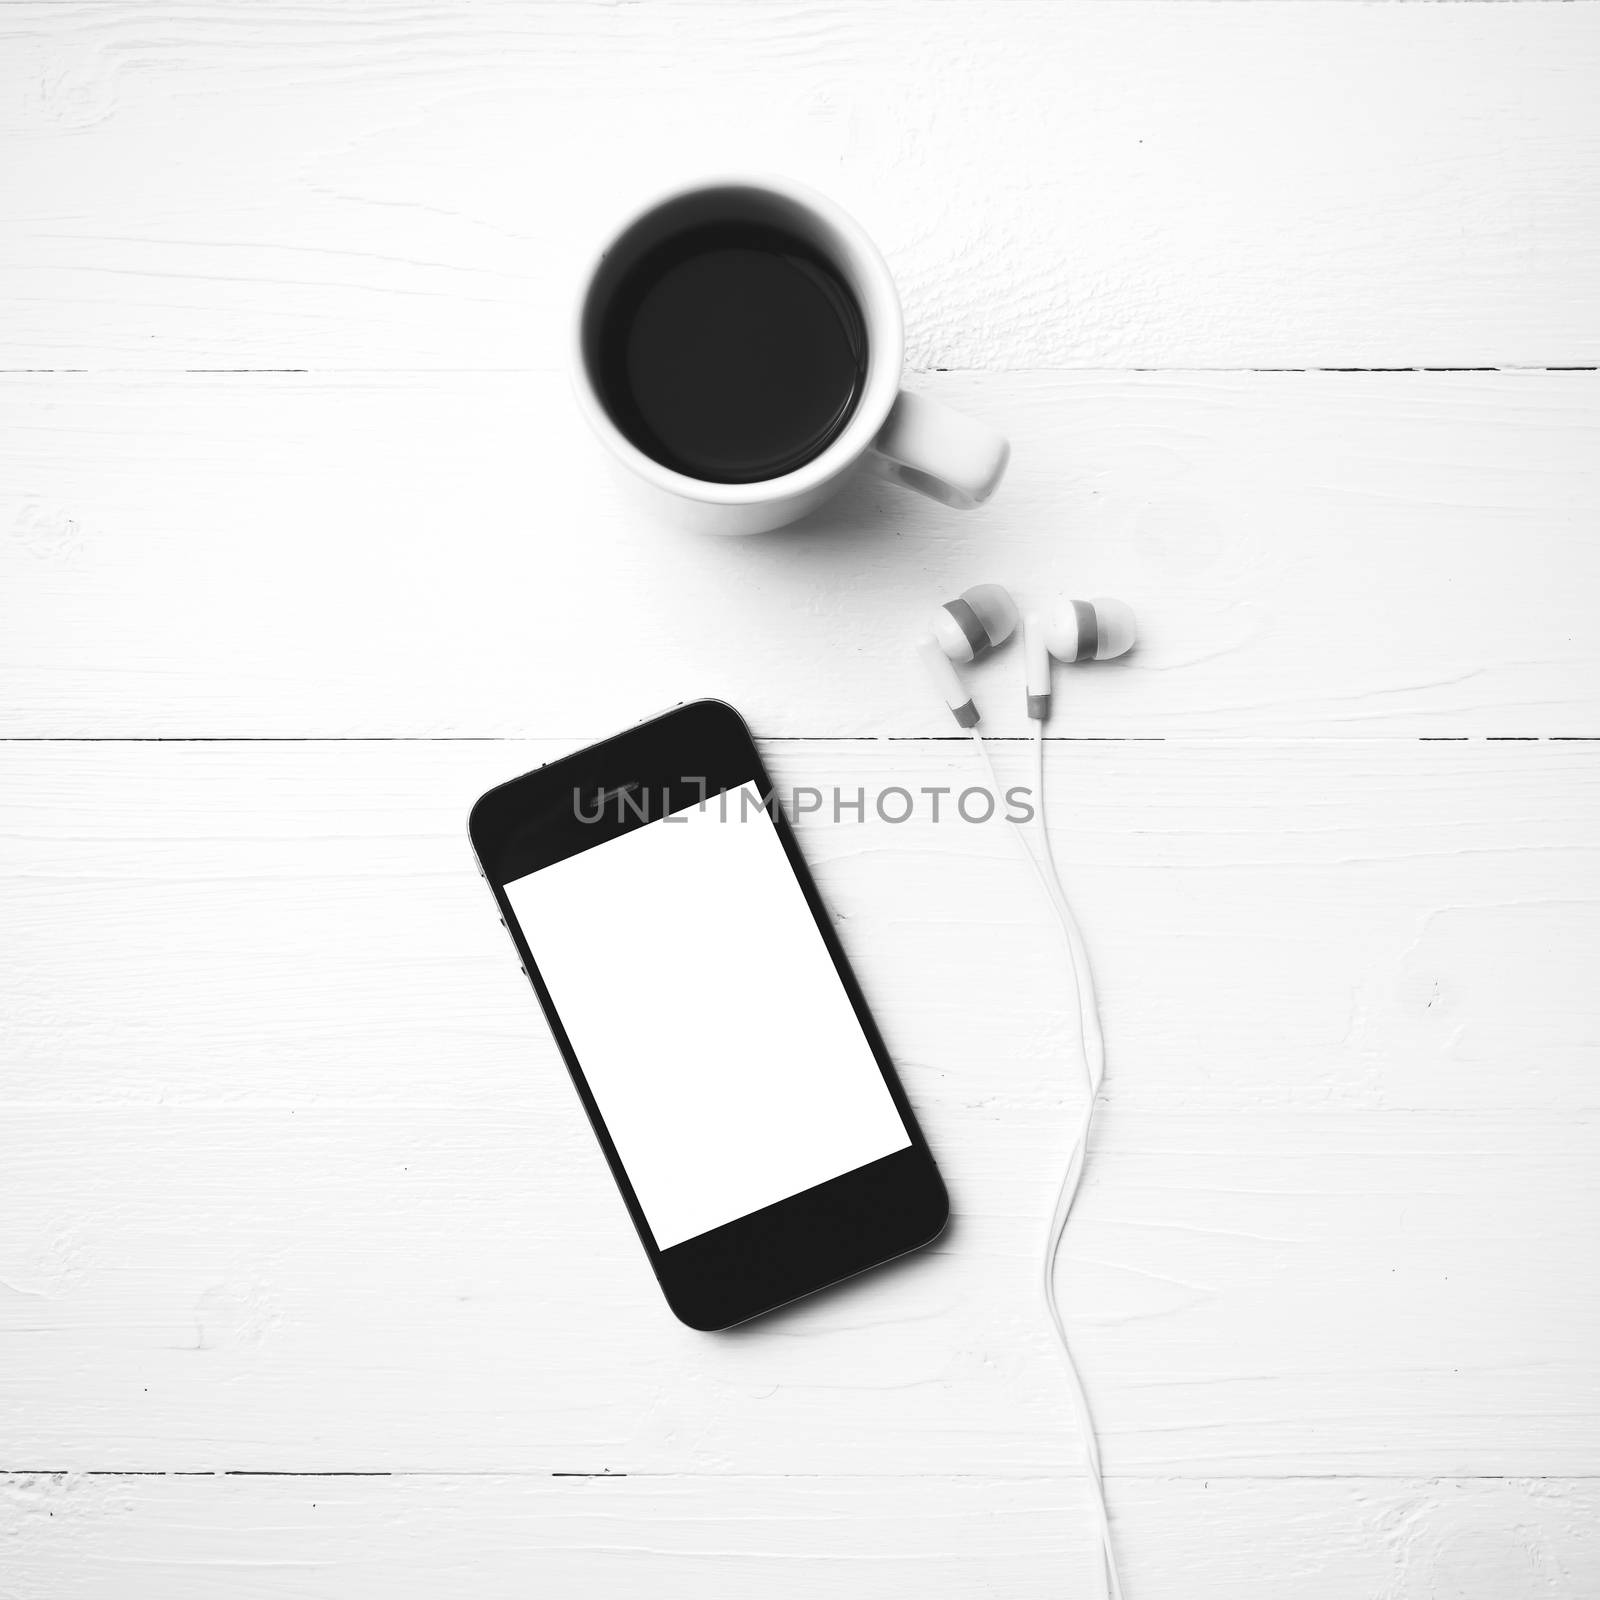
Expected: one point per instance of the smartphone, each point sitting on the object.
(715, 1033)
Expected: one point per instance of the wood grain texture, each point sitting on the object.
(380, 186)
(298, 1182)
(453, 1290)
(77, 1538)
(291, 1179)
(1339, 554)
(1375, 926)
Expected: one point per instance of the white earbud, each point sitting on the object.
(1079, 630)
(963, 629)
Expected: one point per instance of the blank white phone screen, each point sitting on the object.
(707, 1015)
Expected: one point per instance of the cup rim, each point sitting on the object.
(885, 339)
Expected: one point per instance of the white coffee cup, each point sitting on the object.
(905, 437)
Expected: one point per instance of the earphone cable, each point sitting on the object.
(1091, 1040)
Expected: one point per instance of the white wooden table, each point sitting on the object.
(312, 1282)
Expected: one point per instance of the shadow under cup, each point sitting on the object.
(727, 334)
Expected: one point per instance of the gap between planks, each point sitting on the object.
(480, 371)
(796, 738)
(511, 1474)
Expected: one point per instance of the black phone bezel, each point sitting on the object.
(812, 1239)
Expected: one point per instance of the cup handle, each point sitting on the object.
(939, 453)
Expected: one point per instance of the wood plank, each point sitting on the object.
(444, 1289)
(295, 1182)
(76, 1538)
(1335, 554)
(1371, 927)
(333, 186)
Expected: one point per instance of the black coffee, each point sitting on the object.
(732, 352)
